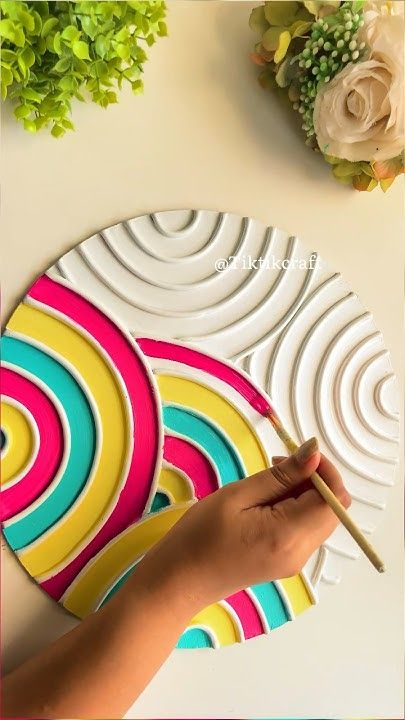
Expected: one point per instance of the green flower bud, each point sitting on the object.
(355, 55)
(349, 25)
(340, 43)
(352, 45)
(308, 63)
(345, 57)
(315, 71)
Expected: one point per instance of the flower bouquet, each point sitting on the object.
(342, 66)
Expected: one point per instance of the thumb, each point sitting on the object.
(269, 486)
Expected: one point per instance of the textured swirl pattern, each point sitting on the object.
(91, 486)
(108, 434)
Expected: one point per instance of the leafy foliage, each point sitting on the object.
(55, 51)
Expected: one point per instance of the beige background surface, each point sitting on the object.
(205, 135)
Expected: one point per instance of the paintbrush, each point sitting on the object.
(325, 491)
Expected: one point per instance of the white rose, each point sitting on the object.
(382, 7)
(359, 115)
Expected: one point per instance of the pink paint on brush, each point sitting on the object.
(127, 362)
(247, 613)
(189, 356)
(37, 478)
(183, 455)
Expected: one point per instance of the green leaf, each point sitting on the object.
(280, 12)
(22, 66)
(8, 56)
(162, 29)
(56, 43)
(345, 168)
(386, 184)
(122, 51)
(62, 65)
(58, 131)
(89, 27)
(28, 56)
(137, 87)
(285, 72)
(22, 111)
(52, 50)
(299, 28)
(68, 83)
(271, 38)
(30, 126)
(31, 94)
(101, 46)
(6, 76)
(7, 29)
(19, 37)
(26, 20)
(257, 20)
(122, 35)
(48, 26)
(70, 33)
(81, 49)
(68, 124)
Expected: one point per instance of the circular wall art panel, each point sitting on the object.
(131, 376)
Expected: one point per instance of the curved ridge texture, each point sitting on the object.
(110, 432)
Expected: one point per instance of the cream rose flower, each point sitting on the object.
(359, 115)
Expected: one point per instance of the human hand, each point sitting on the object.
(262, 528)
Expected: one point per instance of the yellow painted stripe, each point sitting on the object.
(175, 486)
(220, 622)
(91, 586)
(98, 377)
(297, 592)
(20, 442)
(191, 394)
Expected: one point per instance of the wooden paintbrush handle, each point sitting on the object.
(333, 503)
(347, 521)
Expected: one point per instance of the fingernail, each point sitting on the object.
(277, 459)
(306, 450)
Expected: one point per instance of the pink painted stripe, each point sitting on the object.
(196, 359)
(144, 406)
(247, 613)
(193, 463)
(50, 451)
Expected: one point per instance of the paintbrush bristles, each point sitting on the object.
(330, 498)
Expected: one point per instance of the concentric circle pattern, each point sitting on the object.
(118, 413)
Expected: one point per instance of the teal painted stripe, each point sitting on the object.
(194, 638)
(119, 583)
(271, 603)
(196, 427)
(82, 438)
(159, 502)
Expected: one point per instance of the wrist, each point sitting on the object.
(166, 587)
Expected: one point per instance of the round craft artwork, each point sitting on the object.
(132, 373)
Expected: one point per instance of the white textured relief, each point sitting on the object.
(292, 323)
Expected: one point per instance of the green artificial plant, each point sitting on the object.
(53, 52)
